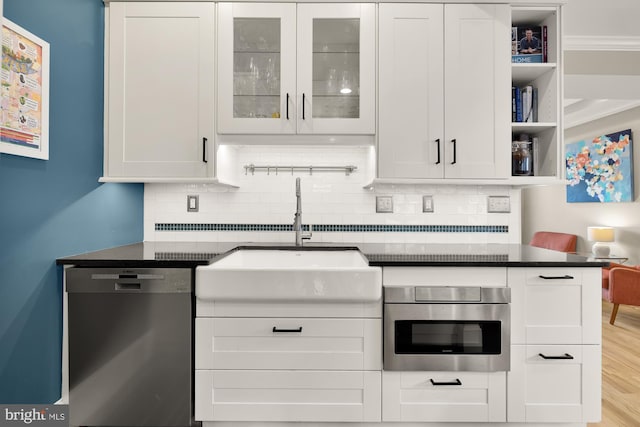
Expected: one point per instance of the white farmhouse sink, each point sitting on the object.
(311, 274)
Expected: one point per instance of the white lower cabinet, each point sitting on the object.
(300, 396)
(288, 343)
(554, 383)
(558, 305)
(444, 396)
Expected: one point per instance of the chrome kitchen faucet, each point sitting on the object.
(297, 218)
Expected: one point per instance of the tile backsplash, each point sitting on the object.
(338, 207)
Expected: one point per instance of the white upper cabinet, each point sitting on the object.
(159, 113)
(286, 68)
(444, 91)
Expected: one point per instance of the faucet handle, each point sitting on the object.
(306, 235)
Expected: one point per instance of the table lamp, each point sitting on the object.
(600, 235)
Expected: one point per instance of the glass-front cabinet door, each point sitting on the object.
(286, 68)
(256, 68)
(336, 68)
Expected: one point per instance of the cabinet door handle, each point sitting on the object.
(287, 105)
(456, 382)
(204, 150)
(565, 277)
(438, 145)
(276, 329)
(454, 152)
(564, 356)
(303, 98)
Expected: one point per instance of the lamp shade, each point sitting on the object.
(600, 234)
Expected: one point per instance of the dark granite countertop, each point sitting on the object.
(192, 254)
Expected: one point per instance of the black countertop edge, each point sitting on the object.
(194, 254)
(486, 264)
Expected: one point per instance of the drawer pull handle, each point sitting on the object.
(454, 151)
(565, 356)
(456, 382)
(438, 145)
(303, 99)
(287, 105)
(276, 329)
(204, 150)
(565, 277)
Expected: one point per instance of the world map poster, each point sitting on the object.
(24, 80)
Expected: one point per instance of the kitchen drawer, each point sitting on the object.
(563, 386)
(469, 396)
(302, 396)
(555, 305)
(288, 343)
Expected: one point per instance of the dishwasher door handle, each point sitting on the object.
(128, 286)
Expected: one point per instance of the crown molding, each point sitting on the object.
(608, 43)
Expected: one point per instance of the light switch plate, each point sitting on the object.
(384, 204)
(427, 203)
(499, 204)
(192, 203)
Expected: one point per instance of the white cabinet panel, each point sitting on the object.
(288, 343)
(411, 91)
(444, 98)
(296, 396)
(297, 61)
(554, 383)
(477, 110)
(467, 396)
(555, 305)
(160, 91)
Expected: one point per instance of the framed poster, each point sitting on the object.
(600, 170)
(24, 102)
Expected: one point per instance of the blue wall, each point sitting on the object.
(50, 209)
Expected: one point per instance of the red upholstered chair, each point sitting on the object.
(556, 241)
(620, 285)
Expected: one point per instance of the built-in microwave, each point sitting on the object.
(436, 328)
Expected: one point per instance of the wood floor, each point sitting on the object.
(620, 367)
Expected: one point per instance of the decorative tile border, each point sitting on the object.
(339, 228)
(437, 257)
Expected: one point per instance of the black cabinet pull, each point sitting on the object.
(204, 150)
(456, 382)
(565, 356)
(454, 152)
(565, 277)
(276, 329)
(287, 105)
(303, 97)
(438, 145)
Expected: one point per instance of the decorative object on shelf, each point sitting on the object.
(600, 170)
(24, 130)
(522, 156)
(348, 170)
(600, 235)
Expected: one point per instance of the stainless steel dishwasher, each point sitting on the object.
(130, 346)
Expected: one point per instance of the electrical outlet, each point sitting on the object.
(499, 204)
(384, 204)
(427, 203)
(192, 203)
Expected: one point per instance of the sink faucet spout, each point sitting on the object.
(297, 218)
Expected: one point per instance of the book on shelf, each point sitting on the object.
(529, 44)
(518, 102)
(524, 104)
(535, 154)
